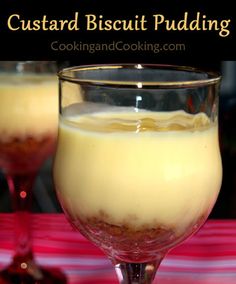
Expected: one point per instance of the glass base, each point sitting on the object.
(29, 273)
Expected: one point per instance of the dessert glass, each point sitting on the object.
(28, 128)
(137, 168)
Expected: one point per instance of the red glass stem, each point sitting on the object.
(20, 187)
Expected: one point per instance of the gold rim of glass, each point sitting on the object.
(67, 74)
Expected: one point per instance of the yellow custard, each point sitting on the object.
(28, 106)
(138, 168)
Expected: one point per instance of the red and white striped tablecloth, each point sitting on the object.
(209, 257)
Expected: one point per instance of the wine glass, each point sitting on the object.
(28, 128)
(137, 168)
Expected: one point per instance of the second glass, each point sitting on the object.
(28, 127)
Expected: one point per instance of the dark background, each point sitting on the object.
(205, 50)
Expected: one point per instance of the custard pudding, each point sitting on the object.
(28, 119)
(122, 170)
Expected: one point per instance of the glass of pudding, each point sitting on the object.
(28, 128)
(137, 168)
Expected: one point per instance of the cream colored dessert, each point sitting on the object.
(138, 169)
(28, 106)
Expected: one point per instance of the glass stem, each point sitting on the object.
(137, 273)
(20, 187)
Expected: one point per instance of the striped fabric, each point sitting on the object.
(209, 257)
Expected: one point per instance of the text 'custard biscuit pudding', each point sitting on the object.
(28, 119)
(137, 180)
